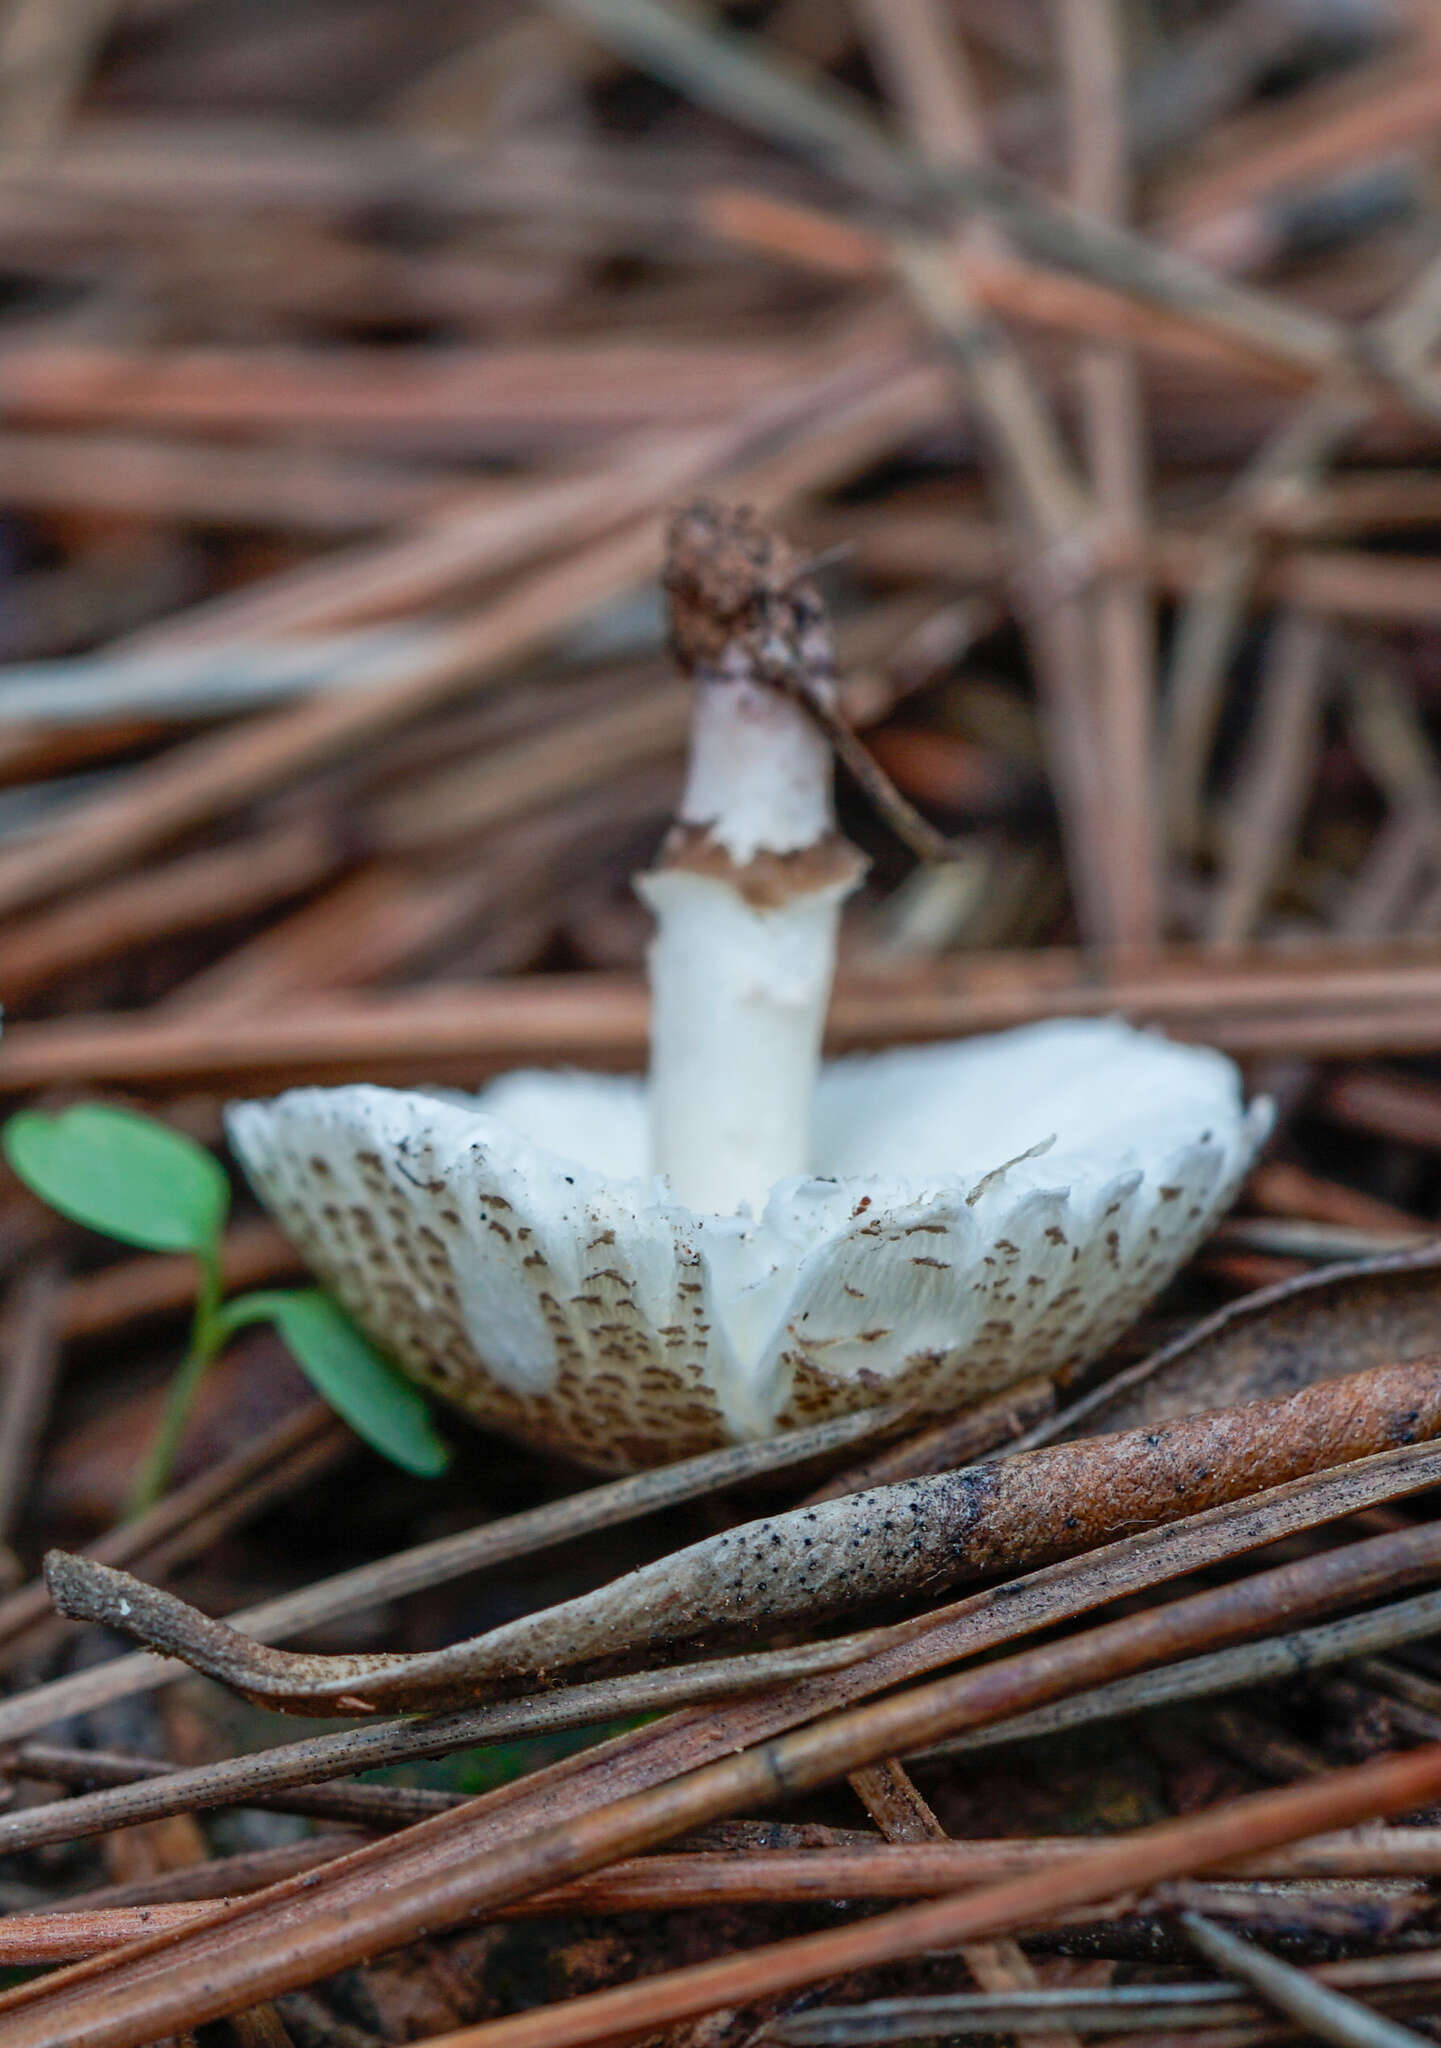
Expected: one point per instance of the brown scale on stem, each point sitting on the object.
(912, 1540)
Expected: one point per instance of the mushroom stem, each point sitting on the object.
(748, 890)
(738, 1006)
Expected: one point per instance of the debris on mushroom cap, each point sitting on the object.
(732, 584)
(746, 624)
(513, 1254)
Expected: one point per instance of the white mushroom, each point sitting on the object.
(631, 1270)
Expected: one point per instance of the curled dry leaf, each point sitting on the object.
(916, 1538)
(1377, 1311)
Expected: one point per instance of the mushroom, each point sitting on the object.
(634, 1269)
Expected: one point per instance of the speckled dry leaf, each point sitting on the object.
(911, 1540)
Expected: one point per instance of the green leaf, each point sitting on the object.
(481, 1770)
(123, 1174)
(359, 1382)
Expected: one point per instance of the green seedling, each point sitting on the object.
(134, 1179)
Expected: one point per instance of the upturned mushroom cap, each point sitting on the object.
(978, 1212)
